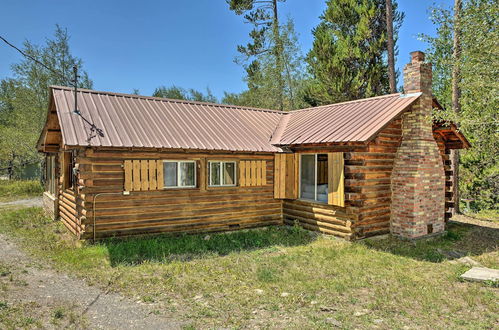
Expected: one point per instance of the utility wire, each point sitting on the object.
(93, 127)
(38, 62)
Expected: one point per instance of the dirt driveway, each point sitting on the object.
(53, 300)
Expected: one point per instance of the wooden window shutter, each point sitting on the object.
(252, 173)
(285, 176)
(336, 178)
(143, 175)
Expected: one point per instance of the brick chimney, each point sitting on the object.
(418, 179)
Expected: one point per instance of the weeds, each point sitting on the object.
(19, 189)
(239, 279)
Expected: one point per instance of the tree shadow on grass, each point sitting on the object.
(168, 247)
(462, 239)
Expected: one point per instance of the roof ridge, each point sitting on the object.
(167, 99)
(346, 102)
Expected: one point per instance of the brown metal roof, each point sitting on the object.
(139, 121)
(353, 121)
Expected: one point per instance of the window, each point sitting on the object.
(179, 174)
(222, 173)
(314, 177)
(70, 177)
(50, 179)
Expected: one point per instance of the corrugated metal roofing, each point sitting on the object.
(139, 121)
(353, 121)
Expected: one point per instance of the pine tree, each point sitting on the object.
(391, 47)
(179, 93)
(479, 100)
(347, 60)
(456, 95)
(271, 58)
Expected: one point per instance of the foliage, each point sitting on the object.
(348, 57)
(270, 278)
(179, 93)
(478, 118)
(24, 98)
(272, 59)
(10, 189)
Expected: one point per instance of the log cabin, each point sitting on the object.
(120, 165)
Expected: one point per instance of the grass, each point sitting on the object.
(10, 190)
(486, 215)
(280, 276)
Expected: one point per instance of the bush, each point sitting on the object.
(9, 188)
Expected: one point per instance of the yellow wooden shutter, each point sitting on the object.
(252, 173)
(143, 175)
(159, 174)
(153, 185)
(336, 178)
(285, 177)
(128, 175)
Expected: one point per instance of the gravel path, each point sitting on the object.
(29, 202)
(39, 285)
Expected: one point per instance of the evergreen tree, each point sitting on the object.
(179, 93)
(272, 59)
(348, 57)
(479, 100)
(390, 47)
(262, 79)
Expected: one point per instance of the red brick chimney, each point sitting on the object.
(418, 179)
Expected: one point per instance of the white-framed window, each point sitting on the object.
(314, 177)
(179, 173)
(221, 173)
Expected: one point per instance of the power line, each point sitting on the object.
(37, 61)
(93, 127)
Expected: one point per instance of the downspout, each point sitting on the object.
(125, 193)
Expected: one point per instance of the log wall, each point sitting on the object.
(449, 182)
(369, 182)
(368, 171)
(198, 209)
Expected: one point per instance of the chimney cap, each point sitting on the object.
(417, 56)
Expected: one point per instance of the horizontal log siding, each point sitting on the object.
(449, 183)
(70, 211)
(368, 183)
(325, 218)
(172, 210)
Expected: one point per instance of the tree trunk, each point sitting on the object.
(391, 46)
(278, 51)
(456, 96)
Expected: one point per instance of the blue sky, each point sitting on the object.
(143, 44)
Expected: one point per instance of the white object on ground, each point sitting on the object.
(481, 274)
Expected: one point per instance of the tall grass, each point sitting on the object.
(26, 188)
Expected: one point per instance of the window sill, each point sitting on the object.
(179, 188)
(313, 201)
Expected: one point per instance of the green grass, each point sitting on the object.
(487, 215)
(10, 190)
(280, 277)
